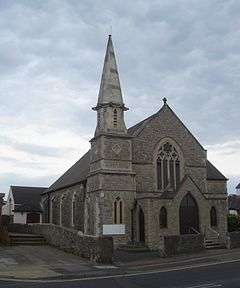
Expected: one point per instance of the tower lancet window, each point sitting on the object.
(98, 118)
(168, 167)
(118, 211)
(115, 117)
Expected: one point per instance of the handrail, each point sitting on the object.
(214, 231)
(194, 230)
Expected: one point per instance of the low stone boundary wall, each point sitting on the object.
(234, 240)
(97, 249)
(180, 244)
(4, 239)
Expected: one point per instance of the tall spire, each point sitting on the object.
(110, 89)
(110, 107)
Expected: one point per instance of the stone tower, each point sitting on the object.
(111, 182)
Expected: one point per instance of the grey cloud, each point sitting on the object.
(34, 149)
(52, 54)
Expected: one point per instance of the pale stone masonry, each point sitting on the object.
(130, 175)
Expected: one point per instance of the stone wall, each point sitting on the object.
(234, 240)
(181, 244)
(4, 238)
(97, 249)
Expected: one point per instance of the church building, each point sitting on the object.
(140, 183)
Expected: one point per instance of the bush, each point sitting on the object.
(233, 223)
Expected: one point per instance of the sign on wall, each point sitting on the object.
(113, 229)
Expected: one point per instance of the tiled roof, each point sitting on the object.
(234, 202)
(27, 199)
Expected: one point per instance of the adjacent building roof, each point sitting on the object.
(27, 199)
(234, 202)
(213, 173)
(238, 186)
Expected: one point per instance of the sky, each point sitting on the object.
(51, 57)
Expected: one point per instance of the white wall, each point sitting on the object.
(9, 206)
(20, 217)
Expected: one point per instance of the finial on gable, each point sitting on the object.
(164, 100)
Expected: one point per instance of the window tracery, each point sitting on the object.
(168, 167)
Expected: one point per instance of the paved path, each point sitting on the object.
(39, 262)
(50, 264)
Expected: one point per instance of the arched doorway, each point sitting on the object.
(188, 215)
(141, 222)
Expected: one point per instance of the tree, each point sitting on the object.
(233, 223)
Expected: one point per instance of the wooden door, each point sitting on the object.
(33, 217)
(188, 215)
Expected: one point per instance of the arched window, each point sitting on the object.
(51, 210)
(73, 209)
(163, 218)
(115, 117)
(168, 167)
(60, 210)
(213, 217)
(118, 211)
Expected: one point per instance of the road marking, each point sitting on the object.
(105, 267)
(122, 275)
(209, 285)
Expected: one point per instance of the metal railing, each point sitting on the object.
(193, 230)
(212, 231)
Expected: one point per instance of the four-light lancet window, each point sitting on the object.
(168, 167)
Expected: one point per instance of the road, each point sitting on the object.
(210, 276)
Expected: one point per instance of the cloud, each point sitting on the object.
(226, 157)
(51, 59)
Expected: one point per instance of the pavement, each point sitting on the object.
(46, 263)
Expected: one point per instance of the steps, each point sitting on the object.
(213, 242)
(26, 239)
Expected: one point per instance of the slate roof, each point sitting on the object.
(213, 173)
(76, 174)
(27, 199)
(234, 202)
(238, 186)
